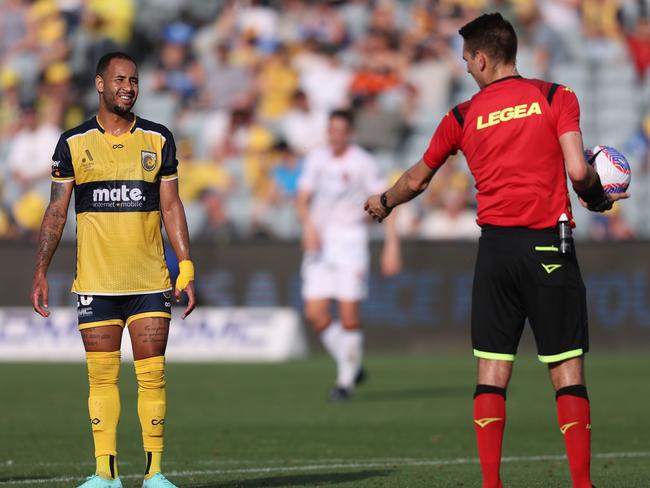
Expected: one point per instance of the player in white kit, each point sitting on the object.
(334, 184)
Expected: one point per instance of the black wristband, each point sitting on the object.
(595, 196)
(384, 202)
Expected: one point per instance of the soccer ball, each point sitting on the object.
(612, 167)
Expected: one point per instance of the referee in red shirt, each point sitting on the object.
(518, 136)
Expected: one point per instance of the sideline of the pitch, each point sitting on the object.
(324, 466)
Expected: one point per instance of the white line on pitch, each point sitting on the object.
(386, 463)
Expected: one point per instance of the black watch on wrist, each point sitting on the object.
(384, 202)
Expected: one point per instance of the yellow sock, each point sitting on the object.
(153, 461)
(104, 408)
(106, 467)
(152, 405)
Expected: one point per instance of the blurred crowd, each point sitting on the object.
(246, 87)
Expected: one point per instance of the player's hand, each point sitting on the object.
(40, 293)
(310, 238)
(185, 283)
(375, 209)
(191, 298)
(612, 197)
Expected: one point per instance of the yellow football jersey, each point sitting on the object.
(117, 201)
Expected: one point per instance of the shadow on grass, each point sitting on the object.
(413, 394)
(314, 479)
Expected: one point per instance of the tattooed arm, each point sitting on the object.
(51, 230)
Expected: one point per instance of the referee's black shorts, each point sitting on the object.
(520, 274)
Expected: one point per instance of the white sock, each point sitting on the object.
(351, 357)
(331, 339)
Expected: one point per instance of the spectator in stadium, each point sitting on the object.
(235, 132)
(49, 28)
(110, 20)
(203, 184)
(57, 97)
(29, 152)
(335, 182)
(9, 104)
(16, 36)
(121, 277)
(276, 83)
(303, 127)
(431, 61)
(278, 209)
(8, 229)
(638, 43)
(285, 173)
(522, 266)
(178, 70)
(452, 219)
(225, 82)
(323, 24)
(257, 19)
(381, 68)
(325, 80)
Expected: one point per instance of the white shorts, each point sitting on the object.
(339, 271)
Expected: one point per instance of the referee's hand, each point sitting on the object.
(613, 197)
(375, 209)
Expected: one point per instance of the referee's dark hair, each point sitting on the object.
(493, 35)
(106, 59)
(346, 115)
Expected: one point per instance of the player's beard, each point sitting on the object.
(121, 110)
(118, 108)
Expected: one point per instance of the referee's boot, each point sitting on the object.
(96, 481)
(158, 481)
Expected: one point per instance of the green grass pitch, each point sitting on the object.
(266, 425)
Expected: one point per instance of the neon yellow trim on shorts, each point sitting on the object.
(546, 248)
(494, 355)
(562, 356)
(144, 315)
(101, 323)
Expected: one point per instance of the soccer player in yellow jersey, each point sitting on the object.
(123, 172)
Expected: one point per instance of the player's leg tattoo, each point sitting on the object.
(106, 338)
(149, 337)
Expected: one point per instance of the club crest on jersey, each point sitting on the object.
(507, 114)
(149, 160)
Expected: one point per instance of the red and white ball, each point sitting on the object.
(612, 167)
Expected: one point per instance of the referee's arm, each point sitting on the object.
(583, 176)
(412, 182)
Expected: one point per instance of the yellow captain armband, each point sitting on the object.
(185, 275)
